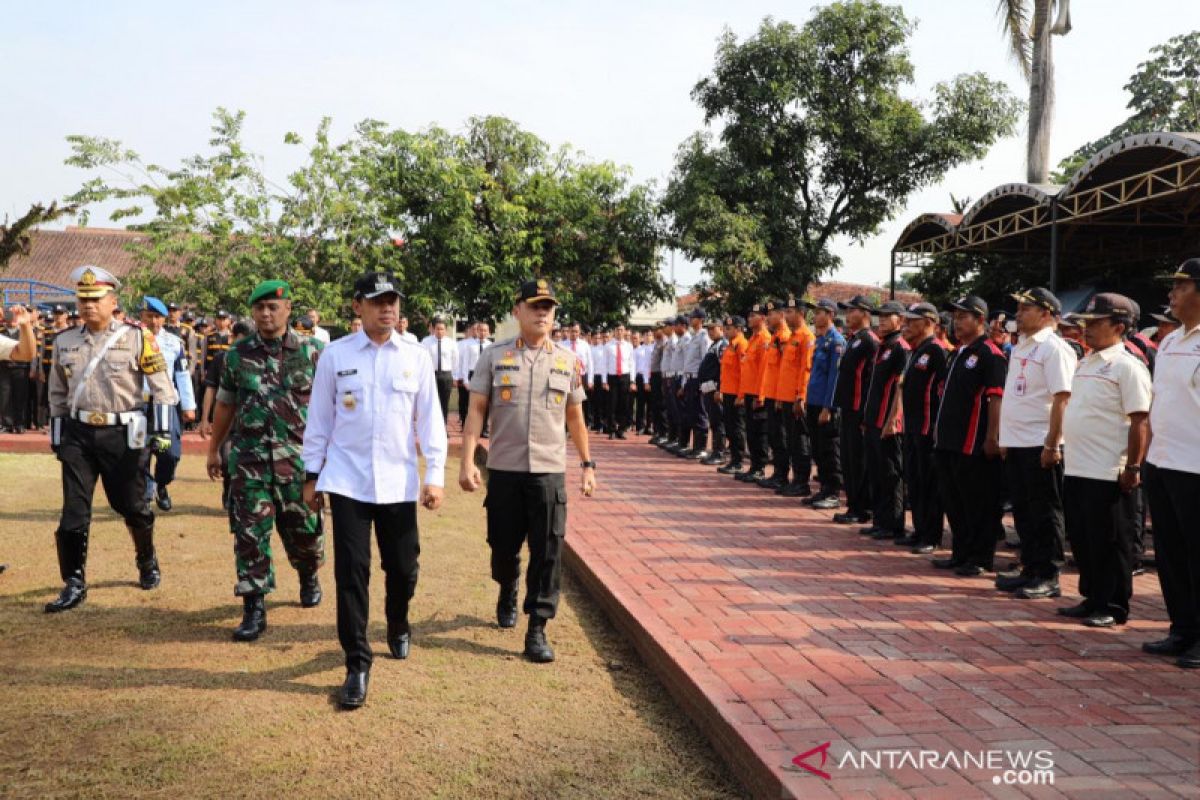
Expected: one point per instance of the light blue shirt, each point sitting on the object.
(175, 355)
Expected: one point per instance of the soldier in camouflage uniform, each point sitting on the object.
(262, 398)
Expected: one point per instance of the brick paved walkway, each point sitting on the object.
(778, 631)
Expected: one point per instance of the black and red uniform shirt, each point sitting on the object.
(976, 373)
(854, 371)
(923, 383)
(890, 361)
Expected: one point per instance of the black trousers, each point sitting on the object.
(14, 395)
(640, 396)
(671, 403)
(88, 454)
(43, 400)
(445, 385)
(716, 421)
(528, 506)
(694, 417)
(885, 473)
(756, 433)
(854, 463)
(970, 490)
(799, 447)
(1175, 508)
(1037, 500)
(777, 412)
(734, 419)
(600, 401)
(399, 551)
(619, 401)
(464, 403)
(826, 448)
(1101, 544)
(658, 405)
(920, 477)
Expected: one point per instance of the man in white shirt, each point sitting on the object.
(1105, 431)
(642, 348)
(1036, 392)
(578, 345)
(618, 382)
(443, 352)
(317, 331)
(1173, 470)
(469, 350)
(360, 449)
(22, 348)
(402, 330)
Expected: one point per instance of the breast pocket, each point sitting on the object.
(557, 391)
(404, 389)
(350, 395)
(505, 387)
(117, 360)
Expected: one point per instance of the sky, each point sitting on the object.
(612, 79)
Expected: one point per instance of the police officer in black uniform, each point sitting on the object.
(850, 397)
(881, 434)
(921, 394)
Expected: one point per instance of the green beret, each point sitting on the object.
(271, 289)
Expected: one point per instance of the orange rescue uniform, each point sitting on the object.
(796, 364)
(768, 387)
(752, 363)
(731, 365)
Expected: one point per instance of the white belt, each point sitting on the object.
(690, 374)
(99, 418)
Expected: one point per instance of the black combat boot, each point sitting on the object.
(506, 606)
(147, 562)
(310, 589)
(537, 649)
(399, 637)
(254, 618)
(72, 556)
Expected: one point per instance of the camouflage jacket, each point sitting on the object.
(269, 384)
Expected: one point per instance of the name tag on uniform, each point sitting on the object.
(344, 372)
(506, 368)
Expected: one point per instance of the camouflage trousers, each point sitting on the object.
(258, 503)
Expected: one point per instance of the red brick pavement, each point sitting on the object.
(778, 631)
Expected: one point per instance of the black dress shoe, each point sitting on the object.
(72, 594)
(1077, 611)
(773, 482)
(731, 468)
(354, 689)
(655, 440)
(149, 576)
(1047, 587)
(906, 541)
(827, 503)
(797, 489)
(702, 456)
(968, 570)
(620, 434)
(922, 549)
(537, 649)
(254, 618)
(399, 639)
(1190, 659)
(162, 499)
(506, 606)
(753, 476)
(1100, 620)
(310, 590)
(1171, 646)
(851, 518)
(713, 460)
(946, 563)
(883, 533)
(1011, 580)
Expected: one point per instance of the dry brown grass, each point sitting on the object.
(144, 694)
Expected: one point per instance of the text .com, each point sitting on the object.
(1011, 767)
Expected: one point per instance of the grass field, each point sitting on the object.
(143, 694)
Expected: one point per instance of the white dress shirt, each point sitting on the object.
(449, 353)
(359, 435)
(1110, 385)
(583, 353)
(610, 358)
(468, 352)
(320, 333)
(1039, 367)
(641, 360)
(7, 345)
(1176, 408)
(409, 337)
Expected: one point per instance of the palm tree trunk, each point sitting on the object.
(1041, 93)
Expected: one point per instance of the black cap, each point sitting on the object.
(890, 307)
(829, 305)
(537, 290)
(776, 304)
(794, 302)
(757, 308)
(58, 310)
(921, 311)
(1037, 296)
(304, 321)
(1166, 316)
(222, 314)
(680, 320)
(172, 306)
(859, 301)
(736, 321)
(74, 314)
(1109, 305)
(1187, 271)
(697, 313)
(971, 303)
(946, 319)
(376, 284)
(1000, 316)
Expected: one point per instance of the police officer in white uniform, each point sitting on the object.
(360, 449)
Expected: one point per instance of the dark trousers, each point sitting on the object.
(734, 417)
(619, 400)
(671, 398)
(799, 446)
(399, 551)
(445, 385)
(1101, 544)
(854, 464)
(716, 421)
(166, 463)
(756, 433)
(970, 490)
(641, 404)
(826, 449)
(464, 403)
(43, 400)
(920, 477)
(14, 395)
(694, 419)
(1175, 508)
(658, 405)
(777, 437)
(600, 401)
(528, 506)
(1037, 501)
(884, 471)
(88, 453)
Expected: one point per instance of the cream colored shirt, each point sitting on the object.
(1109, 385)
(528, 392)
(1039, 367)
(1175, 416)
(115, 386)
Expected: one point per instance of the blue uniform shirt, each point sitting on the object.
(827, 354)
(175, 356)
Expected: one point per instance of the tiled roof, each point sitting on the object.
(832, 290)
(53, 254)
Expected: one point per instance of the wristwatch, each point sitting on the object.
(586, 464)
(1133, 467)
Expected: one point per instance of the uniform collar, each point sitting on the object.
(548, 345)
(1041, 336)
(365, 341)
(1109, 353)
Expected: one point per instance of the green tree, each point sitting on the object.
(15, 239)
(1164, 95)
(815, 142)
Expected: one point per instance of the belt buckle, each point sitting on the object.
(96, 418)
